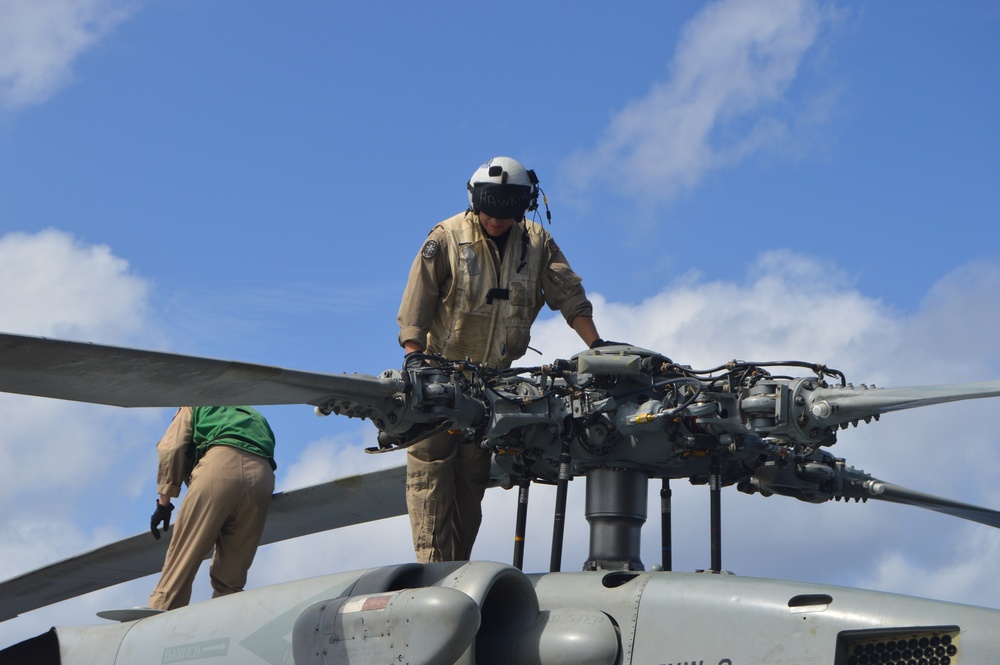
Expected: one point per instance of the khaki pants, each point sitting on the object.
(445, 483)
(225, 506)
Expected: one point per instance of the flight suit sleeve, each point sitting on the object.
(172, 450)
(426, 285)
(562, 288)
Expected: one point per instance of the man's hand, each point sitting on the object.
(597, 343)
(415, 360)
(162, 514)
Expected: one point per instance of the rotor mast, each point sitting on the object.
(616, 511)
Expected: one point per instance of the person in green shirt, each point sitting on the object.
(225, 454)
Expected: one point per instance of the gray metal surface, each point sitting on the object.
(858, 404)
(118, 376)
(425, 626)
(331, 505)
(896, 494)
(552, 619)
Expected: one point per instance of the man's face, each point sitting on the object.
(495, 227)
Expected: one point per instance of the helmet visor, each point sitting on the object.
(501, 201)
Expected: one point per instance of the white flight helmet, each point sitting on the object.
(503, 188)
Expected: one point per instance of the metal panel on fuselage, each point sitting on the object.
(253, 626)
(668, 618)
(701, 617)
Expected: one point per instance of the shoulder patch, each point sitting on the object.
(430, 249)
(552, 245)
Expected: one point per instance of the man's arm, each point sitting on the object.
(585, 328)
(172, 451)
(429, 275)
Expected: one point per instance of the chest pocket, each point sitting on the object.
(524, 303)
(522, 299)
(470, 260)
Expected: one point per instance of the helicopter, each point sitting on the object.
(618, 416)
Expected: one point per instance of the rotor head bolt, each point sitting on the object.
(398, 400)
(800, 400)
(822, 409)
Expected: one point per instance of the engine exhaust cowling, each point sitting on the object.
(427, 625)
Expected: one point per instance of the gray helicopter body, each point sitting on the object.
(487, 613)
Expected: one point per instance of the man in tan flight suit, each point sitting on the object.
(474, 290)
(226, 456)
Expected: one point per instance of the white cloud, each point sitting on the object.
(960, 309)
(960, 575)
(789, 307)
(53, 285)
(41, 39)
(335, 457)
(724, 100)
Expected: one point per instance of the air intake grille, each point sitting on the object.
(900, 646)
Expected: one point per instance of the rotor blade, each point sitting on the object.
(841, 405)
(118, 376)
(883, 491)
(814, 481)
(338, 503)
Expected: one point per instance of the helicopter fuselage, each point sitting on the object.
(488, 613)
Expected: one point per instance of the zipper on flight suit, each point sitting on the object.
(496, 293)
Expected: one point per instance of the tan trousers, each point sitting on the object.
(225, 506)
(445, 483)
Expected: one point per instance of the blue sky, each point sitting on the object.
(757, 180)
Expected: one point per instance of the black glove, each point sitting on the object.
(161, 514)
(415, 360)
(601, 342)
